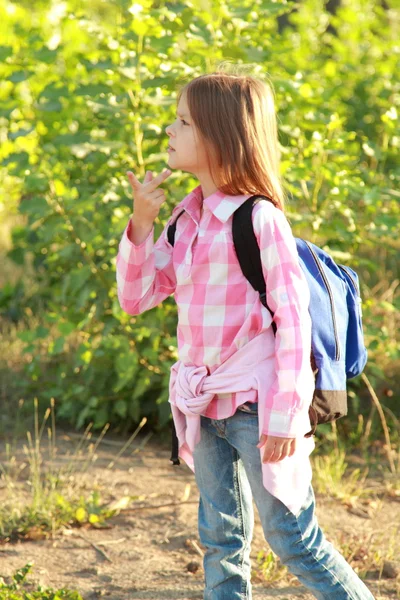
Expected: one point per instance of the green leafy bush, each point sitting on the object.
(87, 93)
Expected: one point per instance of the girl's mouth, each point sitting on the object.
(171, 149)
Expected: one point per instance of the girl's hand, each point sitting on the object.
(276, 448)
(147, 198)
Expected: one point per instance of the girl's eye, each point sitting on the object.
(184, 122)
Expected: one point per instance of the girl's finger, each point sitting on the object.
(135, 183)
(276, 458)
(269, 450)
(277, 453)
(268, 457)
(285, 451)
(292, 447)
(148, 177)
(152, 185)
(262, 441)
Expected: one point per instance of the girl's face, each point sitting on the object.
(186, 151)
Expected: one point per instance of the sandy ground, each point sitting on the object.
(153, 552)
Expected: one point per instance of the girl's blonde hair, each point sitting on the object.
(235, 116)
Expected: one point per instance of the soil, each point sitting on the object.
(151, 549)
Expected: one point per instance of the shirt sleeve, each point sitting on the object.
(145, 272)
(288, 297)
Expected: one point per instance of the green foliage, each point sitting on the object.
(330, 477)
(269, 568)
(16, 591)
(87, 91)
(24, 522)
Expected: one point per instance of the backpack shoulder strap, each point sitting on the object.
(246, 245)
(247, 248)
(172, 229)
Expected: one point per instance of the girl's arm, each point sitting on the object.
(288, 297)
(145, 272)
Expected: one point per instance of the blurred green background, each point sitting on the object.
(86, 91)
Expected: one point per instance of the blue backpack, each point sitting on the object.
(338, 352)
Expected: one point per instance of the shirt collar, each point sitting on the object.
(221, 205)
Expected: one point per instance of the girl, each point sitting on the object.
(239, 394)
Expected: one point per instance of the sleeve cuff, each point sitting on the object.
(135, 254)
(288, 425)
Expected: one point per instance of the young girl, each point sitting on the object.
(239, 394)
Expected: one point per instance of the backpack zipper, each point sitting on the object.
(351, 277)
(357, 289)
(315, 257)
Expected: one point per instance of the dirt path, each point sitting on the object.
(155, 553)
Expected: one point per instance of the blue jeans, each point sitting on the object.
(228, 474)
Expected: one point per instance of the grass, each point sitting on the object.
(269, 568)
(365, 551)
(41, 498)
(17, 589)
(369, 553)
(331, 477)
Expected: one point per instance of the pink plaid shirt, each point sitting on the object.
(219, 313)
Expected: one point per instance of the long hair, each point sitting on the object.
(236, 119)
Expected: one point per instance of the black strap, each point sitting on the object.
(174, 446)
(174, 439)
(247, 249)
(171, 230)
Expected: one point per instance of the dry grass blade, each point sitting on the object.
(378, 405)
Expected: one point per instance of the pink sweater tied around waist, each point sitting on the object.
(251, 367)
(192, 387)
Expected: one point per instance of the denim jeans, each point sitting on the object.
(228, 475)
